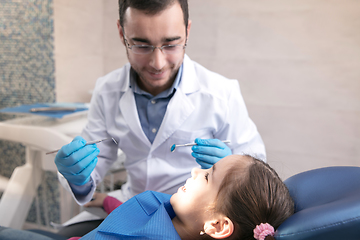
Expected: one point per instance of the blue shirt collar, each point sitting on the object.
(136, 89)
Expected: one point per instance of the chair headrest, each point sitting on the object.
(327, 205)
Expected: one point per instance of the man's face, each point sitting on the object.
(156, 70)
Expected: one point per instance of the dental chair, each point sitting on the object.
(327, 206)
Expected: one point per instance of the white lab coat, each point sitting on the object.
(205, 105)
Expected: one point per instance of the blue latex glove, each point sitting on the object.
(75, 161)
(207, 152)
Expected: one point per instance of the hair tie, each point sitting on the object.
(263, 230)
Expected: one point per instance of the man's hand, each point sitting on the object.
(209, 151)
(76, 161)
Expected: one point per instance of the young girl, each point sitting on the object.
(240, 197)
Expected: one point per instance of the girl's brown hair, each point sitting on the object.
(253, 195)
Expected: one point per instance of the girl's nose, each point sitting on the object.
(195, 172)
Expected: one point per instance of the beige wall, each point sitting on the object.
(87, 46)
(298, 64)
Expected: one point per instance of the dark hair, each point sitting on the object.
(151, 7)
(251, 196)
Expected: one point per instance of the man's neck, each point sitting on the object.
(154, 91)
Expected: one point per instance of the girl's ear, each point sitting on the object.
(219, 228)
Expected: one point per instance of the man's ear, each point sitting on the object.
(121, 32)
(188, 29)
(219, 228)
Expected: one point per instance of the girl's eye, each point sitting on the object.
(207, 176)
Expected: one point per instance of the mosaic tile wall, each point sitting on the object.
(26, 77)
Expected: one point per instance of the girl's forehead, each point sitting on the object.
(224, 165)
(235, 160)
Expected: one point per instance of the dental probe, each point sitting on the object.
(88, 143)
(173, 147)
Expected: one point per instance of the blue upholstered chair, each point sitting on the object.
(327, 205)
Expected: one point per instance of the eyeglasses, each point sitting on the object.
(147, 49)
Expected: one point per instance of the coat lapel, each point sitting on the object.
(179, 107)
(178, 110)
(128, 109)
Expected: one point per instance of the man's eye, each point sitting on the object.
(143, 47)
(207, 176)
(169, 47)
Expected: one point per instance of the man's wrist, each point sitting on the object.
(82, 190)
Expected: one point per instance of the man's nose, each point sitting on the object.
(158, 59)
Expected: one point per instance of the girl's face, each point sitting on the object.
(193, 202)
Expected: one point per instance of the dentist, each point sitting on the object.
(160, 98)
